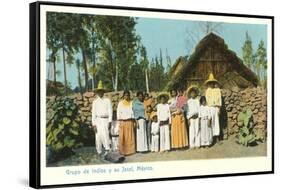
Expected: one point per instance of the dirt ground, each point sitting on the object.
(226, 149)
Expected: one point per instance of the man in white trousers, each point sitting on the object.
(164, 120)
(101, 119)
(214, 101)
(193, 106)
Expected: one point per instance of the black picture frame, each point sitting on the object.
(34, 93)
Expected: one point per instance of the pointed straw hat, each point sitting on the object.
(211, 79)
(100, 87)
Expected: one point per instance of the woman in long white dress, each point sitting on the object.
(139, 114)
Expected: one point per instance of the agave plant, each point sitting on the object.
(64, 125)
(246, 135)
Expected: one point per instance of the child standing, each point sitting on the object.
(164, 119)
(205, 123)
(114, 132)
(154, 133)
(148, 113)
(192, 116)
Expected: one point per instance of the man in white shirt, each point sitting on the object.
(214, 101)
(164, 120)
(101, 119)
(193, 106)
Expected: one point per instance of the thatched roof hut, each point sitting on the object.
(180, 62)
(212, 55)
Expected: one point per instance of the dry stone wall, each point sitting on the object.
(234, 100)
(253, 98)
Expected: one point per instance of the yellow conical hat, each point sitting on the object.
(100, 86)
(211, 78)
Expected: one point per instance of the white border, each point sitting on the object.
(57, 175)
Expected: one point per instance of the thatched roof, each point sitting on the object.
(180, 62)
(208, 41)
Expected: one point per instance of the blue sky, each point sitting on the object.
(172, 34)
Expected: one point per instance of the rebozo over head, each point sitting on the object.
(140, 96)
(173, 93)
(126, 95)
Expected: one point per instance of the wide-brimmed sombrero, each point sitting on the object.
(100, 87)
(211, 79)
(192, 88)
(165, 95)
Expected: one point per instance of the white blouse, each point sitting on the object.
(163, 112)
(205, 112)
(124, 112)
(154, 128)
(193, 107)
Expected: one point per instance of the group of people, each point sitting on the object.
(175, 121)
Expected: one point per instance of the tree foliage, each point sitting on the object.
(103, 48)
(248, 55)
(261, 62)
(255, 60)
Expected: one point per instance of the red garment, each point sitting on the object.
(181, 101)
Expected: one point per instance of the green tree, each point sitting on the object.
(81, 42)
(53, 43)
(157, 75)
(137, 77)
(107, 48)
(90, 25)
(247, 49)
(145, 66)
(261, 61)
(160, 57)
(118, 49)
(168, 60)
(60, 35)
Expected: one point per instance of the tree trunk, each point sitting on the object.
(116, 76)
(79, 79)
(53, 60)
(113, 82)
(94, 59)
(258, 71)
(64, 71)
(146, 81)
(85, 69)
(55, 70)
(159, 79)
